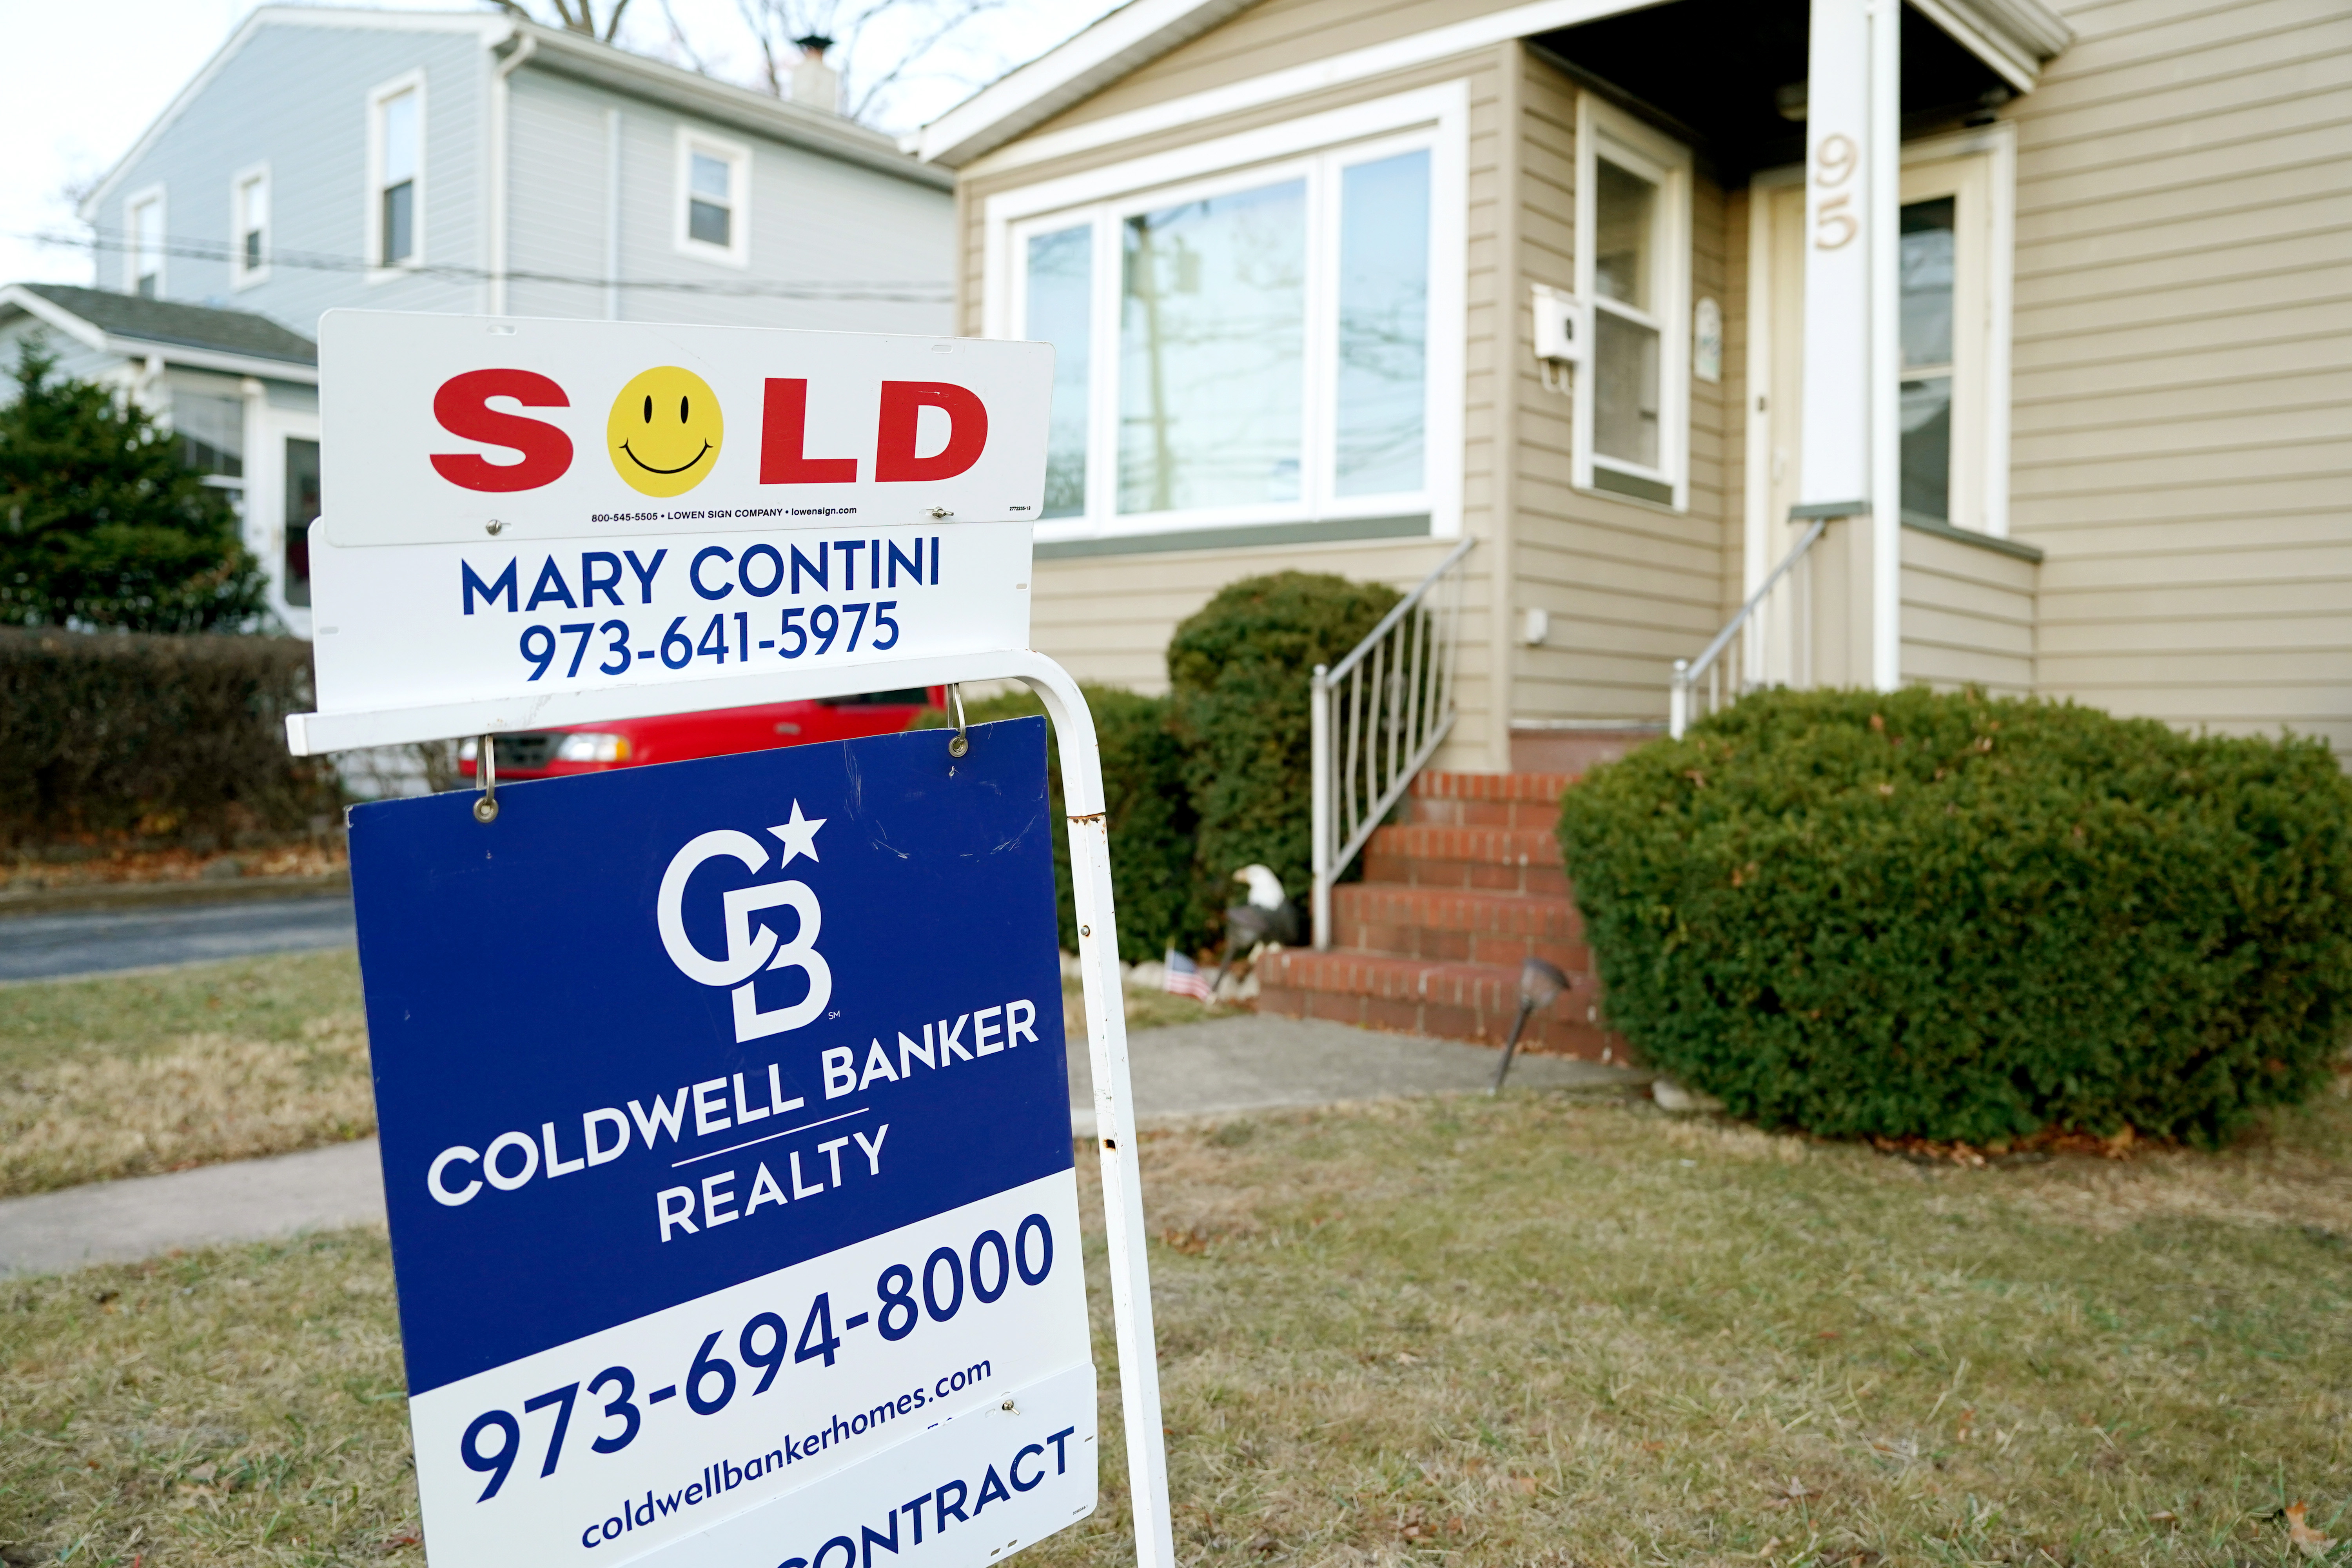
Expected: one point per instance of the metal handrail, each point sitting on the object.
(1367, 747)
(1688, 671)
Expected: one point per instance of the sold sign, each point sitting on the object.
(445, 429)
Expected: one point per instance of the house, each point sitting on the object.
(1993, 341)
(466, 161)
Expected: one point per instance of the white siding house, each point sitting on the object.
(328, 158)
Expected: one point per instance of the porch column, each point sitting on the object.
(1850, 456)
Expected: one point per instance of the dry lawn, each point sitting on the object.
(1524, 1332)
(128, 1076)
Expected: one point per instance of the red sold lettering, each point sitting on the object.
(902, 405)
(462, 405)
(784, 441)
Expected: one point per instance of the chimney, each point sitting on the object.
(815, 83)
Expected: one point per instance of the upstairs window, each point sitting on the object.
(396, 173)
(714, 187)
(1246, 348)
(249, 227)
(1633, 269)
(143, 245)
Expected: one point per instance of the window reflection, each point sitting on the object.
(1212, 351)
(1925, 261)
(1625, 390)
(1623, 205)
(1384, 324)
(1060, 267)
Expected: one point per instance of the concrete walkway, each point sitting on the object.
(1242, 1063)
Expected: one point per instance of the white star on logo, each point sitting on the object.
(798, 836)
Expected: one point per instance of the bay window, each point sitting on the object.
(1246, 347)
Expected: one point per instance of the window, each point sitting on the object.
(395, 218)
(211, 430)
(302, 511)
(1061, 275)
(714, 186)
(1928, 264)
(1633, 267)
(249, 227)
(1246, 348)
(143, 245)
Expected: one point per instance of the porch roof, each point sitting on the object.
(2012, 37)
(237, 341)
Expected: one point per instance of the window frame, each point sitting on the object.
(133, 204)
(379, 97)
(1319, 148)
(1639, 150)
(737, 155)
(240, 275)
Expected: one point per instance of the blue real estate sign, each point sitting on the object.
(726, 1146)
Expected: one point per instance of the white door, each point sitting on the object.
(1949, 357)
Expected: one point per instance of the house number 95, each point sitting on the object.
(1833, 224)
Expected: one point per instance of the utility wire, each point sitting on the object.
(910, 293)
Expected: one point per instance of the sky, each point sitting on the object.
(88, 77)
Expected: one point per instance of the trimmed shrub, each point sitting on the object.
(1239, 669)
(112, 735)
(1149, 818)
(1956, 918)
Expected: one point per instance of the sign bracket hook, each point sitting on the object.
(486, 810)
(959, 744)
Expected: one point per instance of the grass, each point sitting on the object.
(131, 1075)
(1458, 1331)
(134, 1075)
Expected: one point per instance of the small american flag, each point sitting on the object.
(1185, 977)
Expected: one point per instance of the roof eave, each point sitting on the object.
(1130, 38)
(50, 313)
(601, 65)
(194, 357)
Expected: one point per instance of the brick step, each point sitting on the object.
(1539, 787)
(1489, 859)
(1456, 925)
(1452, 1001)
(1486, 845)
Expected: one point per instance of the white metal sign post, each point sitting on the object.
(531, 523)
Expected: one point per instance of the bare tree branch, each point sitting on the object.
(574, 15)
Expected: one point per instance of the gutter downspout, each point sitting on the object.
(501, 155)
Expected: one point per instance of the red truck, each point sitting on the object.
(719, 732)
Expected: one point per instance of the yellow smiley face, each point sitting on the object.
(664, 433)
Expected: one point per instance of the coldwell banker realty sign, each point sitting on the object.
(724, 1104)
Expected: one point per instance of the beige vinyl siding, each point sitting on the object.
(1630, 587)
(1108, 617)
(1967, 616)
(1271, 36)
(2183, 361)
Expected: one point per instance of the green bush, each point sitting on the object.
(1239, 670)
(1149, 815)
(1950, 916)
(114, 735)
(101, 523)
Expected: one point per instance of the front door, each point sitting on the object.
(1946, 322)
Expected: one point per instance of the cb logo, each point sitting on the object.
(751, 946)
